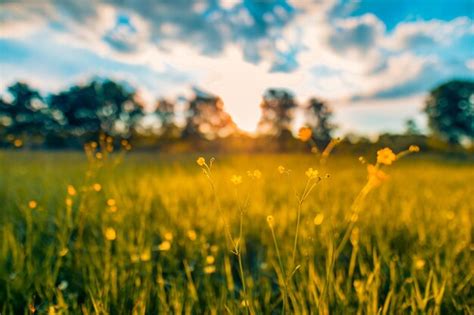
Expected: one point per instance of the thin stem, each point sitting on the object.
(285, 287)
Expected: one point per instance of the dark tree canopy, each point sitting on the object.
(318, 117)
(450, 110)
(206, 117)
(26, 115)
(277, 112)
(100, 106)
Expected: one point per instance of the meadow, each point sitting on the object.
(147, 233)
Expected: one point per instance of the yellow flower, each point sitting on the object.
(71, 190)
(164, 246)
(145, 255)
(210, 269)
(68, 202)
(111, 202)
(97, 187)
(375, 176)
(201, 161)
(63, 252)
(419, 263)
(256, 174)
(110, 234)
(270, 220)
(32, 204)
(17, 143)
(236, 179)
(318, 219)
(281, 169)
(210, 260)
(414, 148)
(191, 235)
(168, 236)
(113, 209)
(311, 173)
(386, 156)
(304, 134)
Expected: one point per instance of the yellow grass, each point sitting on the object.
(155, 234)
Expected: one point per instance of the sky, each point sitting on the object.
(373, 61)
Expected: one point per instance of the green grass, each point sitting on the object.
(408, 251)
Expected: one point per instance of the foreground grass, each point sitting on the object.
(150, 235)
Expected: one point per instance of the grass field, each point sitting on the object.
(153, 234)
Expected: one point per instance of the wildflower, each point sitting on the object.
(419, 263)
(164, 246)
(201, 161)
(414, 148)
(376, 176)
(386, 156)
(281, 169)
(214, 248)
(304, 134)
(270, 220)
(145, 255)
(97, 187)
(32, 204)
(311, 173)
(168, 236)
(111, 202)
(99, 156)
(113, 209)
(209, 269)
(236, 179)
(318, 219)
(71, 190)
(210, 260)
(63, 252)
(191, 235)
(256, 174)
(68, 202)
(110, 234)
(18, 143)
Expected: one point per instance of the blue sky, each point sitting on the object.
(372, 60)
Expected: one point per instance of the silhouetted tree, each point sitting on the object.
(205, 117)
(318, 117)
(450, 110)
(277, 112)
(411, 128)
(165, 112)
(100, 106)
(27, 115)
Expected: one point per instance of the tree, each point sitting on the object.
(318, 117)
(100, 106)
(165, 112)
(27, 115)
(411, 128)
(450, 110)
(206, 118)
(277, 112)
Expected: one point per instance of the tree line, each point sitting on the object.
(81, 113)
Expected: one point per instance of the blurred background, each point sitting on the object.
(225, 75)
